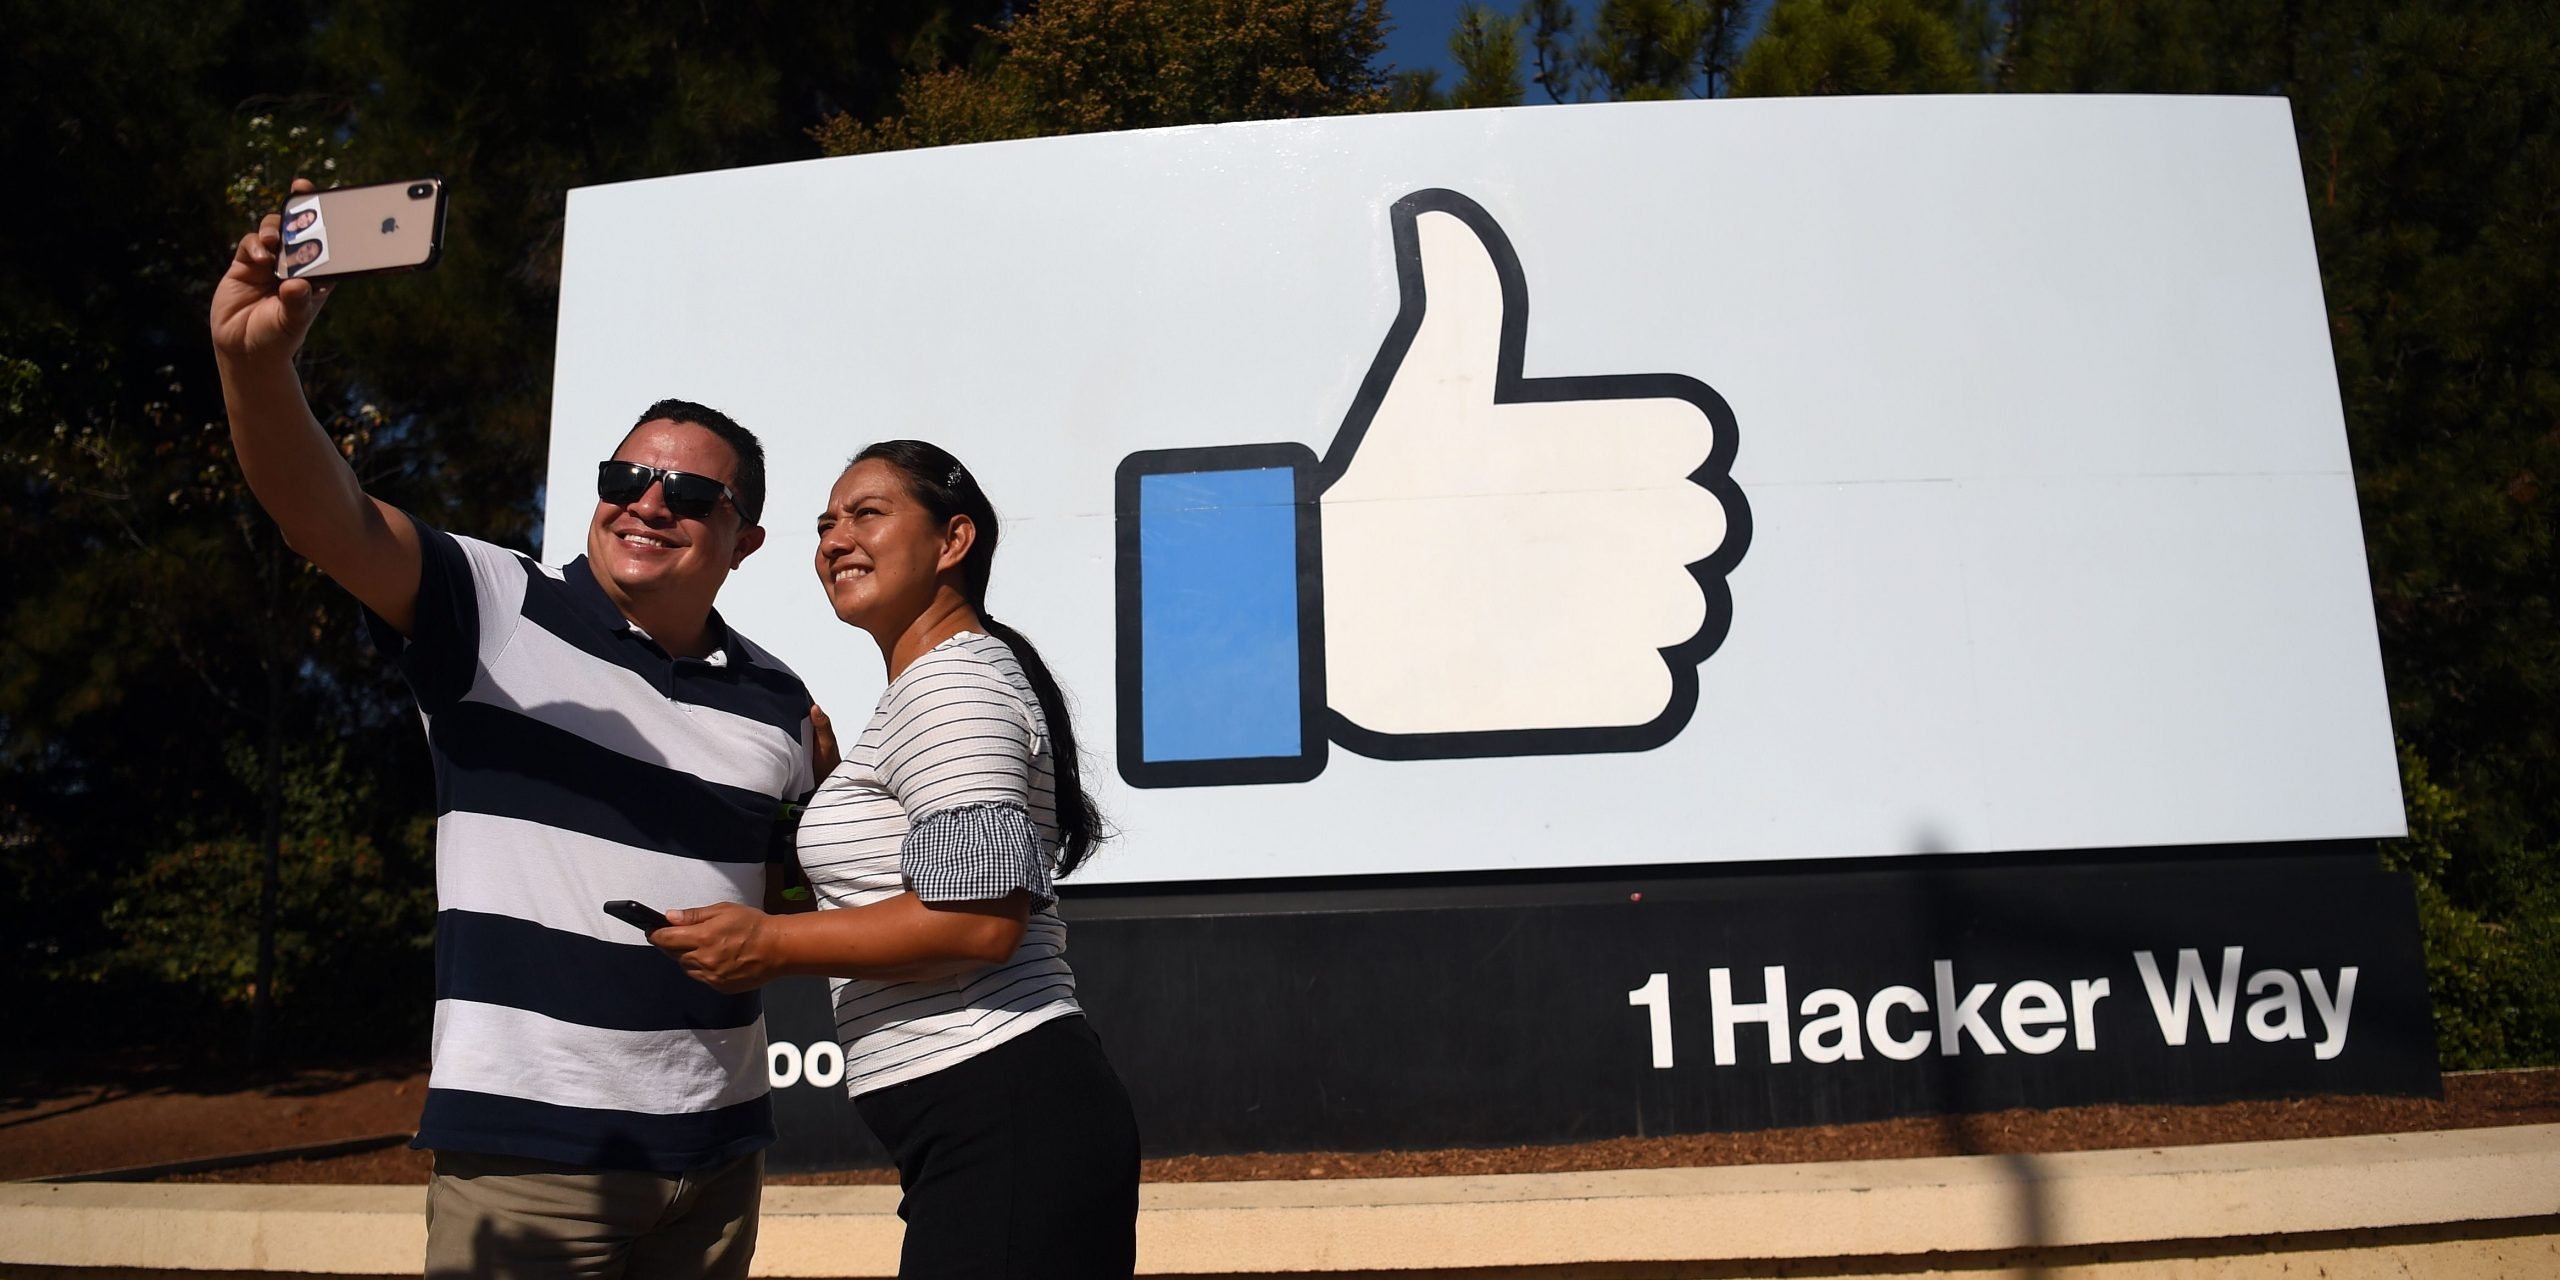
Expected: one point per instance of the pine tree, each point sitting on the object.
(181, 695)
(1078, 66)
(1644, 49)
(1854, 47)
(1486, 47)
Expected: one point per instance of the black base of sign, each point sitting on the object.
(1520, 1010)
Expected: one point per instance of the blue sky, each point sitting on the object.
(1421, 35)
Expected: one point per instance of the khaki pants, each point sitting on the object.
(503, 1216)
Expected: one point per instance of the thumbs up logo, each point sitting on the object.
(1482, 564)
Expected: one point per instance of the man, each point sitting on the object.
(598, 734)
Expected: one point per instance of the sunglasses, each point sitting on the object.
(687, 495)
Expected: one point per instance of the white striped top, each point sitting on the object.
(959, 730)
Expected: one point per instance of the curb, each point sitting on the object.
(238, 1160)
(2180, 1208)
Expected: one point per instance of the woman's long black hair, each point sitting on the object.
(946, 489)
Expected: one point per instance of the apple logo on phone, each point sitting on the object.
(390, 225)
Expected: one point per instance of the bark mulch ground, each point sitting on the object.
(153, 1120)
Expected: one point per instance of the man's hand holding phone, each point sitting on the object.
(259, 322)
(258, 318)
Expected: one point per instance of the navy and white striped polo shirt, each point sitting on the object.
(577, 763)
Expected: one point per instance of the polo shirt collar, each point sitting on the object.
(590, 600)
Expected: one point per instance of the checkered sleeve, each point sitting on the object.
(956, 750)
(974, 853)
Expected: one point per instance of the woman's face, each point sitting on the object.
(880, 553)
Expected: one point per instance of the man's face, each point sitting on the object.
(642, 547)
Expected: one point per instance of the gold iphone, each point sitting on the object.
(362, 231)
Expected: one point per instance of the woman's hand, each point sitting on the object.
(725, 946)
(255, 316)
(822, 743)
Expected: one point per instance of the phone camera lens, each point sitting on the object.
(421, 190)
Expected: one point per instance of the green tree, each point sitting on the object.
(1857, 46)
(2177, 46)
(154, 629)
(1554, 51)
(166, 667)
(1720, 44)
(1635, 50)
(1079, 66)
(1638, 50)
(2431, 148)
(187, 919)
(1486, 48)
(1415, 89)
(2493, 985)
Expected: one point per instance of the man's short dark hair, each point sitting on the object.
(748, 484)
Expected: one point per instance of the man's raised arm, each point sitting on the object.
(291, 464)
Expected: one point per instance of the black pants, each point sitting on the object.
(1019, 1162)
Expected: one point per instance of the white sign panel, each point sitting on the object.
(1573, 486)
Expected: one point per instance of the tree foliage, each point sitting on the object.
(2431, 149)
(1632, 50)
(1855, 46)
(1641, 50)
(166, 665)
(1079, 66)
(186, 919)
(1486, 48)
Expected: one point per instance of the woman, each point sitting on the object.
(304, 255)
(931, 849)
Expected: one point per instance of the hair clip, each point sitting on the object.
(952, 481)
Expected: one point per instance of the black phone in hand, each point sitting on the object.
(646, 919)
